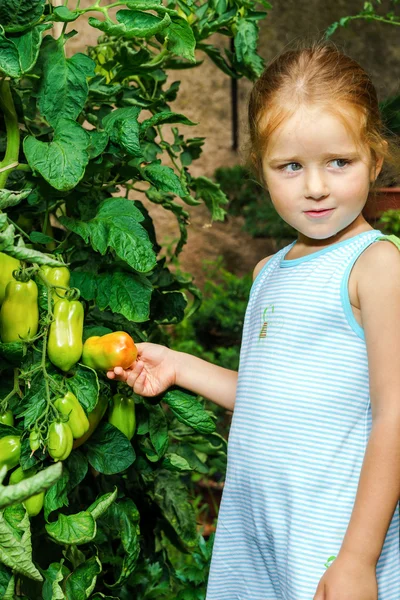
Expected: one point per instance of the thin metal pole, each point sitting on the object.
(234, 104)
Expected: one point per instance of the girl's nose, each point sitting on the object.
(315, 185)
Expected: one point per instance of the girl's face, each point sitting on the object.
(312, 163)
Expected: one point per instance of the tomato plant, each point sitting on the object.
(83, 154)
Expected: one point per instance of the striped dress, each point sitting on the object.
(299, 432)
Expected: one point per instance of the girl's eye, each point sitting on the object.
(294, 164)
(343, 162)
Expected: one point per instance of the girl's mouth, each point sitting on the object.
(316, 214)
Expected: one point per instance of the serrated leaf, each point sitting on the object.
(189, 411)
(73, 529)
(117, 226)
(61, 162)
(164, 178)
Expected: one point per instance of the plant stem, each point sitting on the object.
(12, 129)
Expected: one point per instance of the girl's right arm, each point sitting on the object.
(157, 368)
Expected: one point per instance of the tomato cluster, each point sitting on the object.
(70, 426)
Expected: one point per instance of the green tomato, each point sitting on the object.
(69, 406)
(34, 504)
(59, 440)
(7, 418)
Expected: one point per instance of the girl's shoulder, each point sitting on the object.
(260, 265)
(382, 259)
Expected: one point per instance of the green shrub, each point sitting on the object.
(247, 198)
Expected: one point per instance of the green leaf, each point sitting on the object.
(164, 179)
(171, 495)
(34, 401)
(16, 545)
(73, 529)
(77, 466)
(164, 117)
(180, 39)
(212, 195)
(117, 226)
(169, 306)
(34, 256)
(12, 352)
(64, 87)
(64, 15)
(98, 142)
(174, 462)
(8, 430)
(28, 45)
(100, 505)
(246, 40)
(57, 495)
(123, 128)
(6, 578)
(85, 385)
(9, 57)
(133, 24)
(40, 482)
(121, 520)
(53, 576)
(17, 16)
(109, 451)
(158, 429)
(82, 581)
(40, 238)
(61, 162)
(124, 293)
(189, 411)
(143, 24)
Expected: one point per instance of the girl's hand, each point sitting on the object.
(151, 373)
(348, 579)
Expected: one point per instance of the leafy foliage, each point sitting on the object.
(248, 199)
(81, 163)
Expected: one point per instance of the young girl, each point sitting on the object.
(314, 446)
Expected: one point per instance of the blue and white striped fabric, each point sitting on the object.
(299, 432)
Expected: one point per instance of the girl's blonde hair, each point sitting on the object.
(318, 75)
